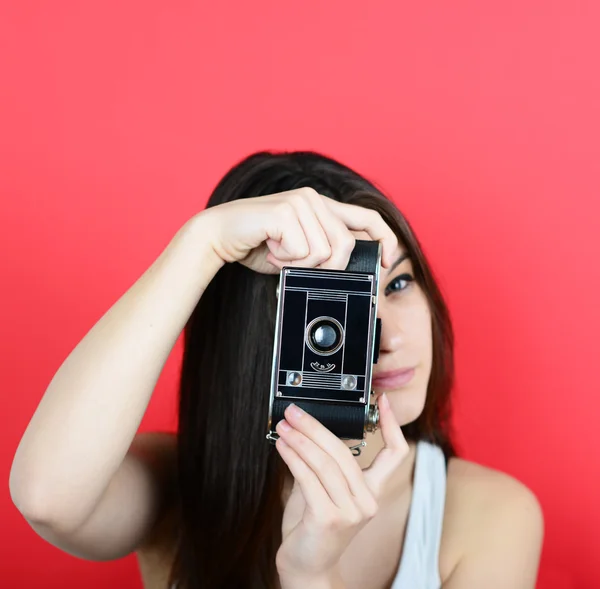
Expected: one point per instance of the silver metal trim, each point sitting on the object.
(276, 339)
(322, 381)
(308, 273)
(328, 290)
(371, 411)
(373, 324)
(305, 316)
(307, 334)
(343, 366)
(329, 399)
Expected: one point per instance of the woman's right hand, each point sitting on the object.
(294, 228)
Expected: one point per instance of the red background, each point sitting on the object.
(482, 119)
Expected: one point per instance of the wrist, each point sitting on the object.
(198, 231)
(329, 580)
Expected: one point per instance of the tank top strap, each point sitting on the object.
(419, 563)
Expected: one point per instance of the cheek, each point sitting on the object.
(426, 332)
(407, 407)
(417, 319)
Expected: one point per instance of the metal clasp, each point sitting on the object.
(356, 449)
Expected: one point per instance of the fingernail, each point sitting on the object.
(284, 425)
(295, 411)
(385, 401)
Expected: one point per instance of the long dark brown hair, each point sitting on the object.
(230, 479)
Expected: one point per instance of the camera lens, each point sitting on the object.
(325, 335)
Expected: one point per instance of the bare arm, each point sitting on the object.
(81, 476)
(70, 468)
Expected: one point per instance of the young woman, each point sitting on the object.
(216, 505)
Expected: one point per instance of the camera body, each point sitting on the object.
(326, 342)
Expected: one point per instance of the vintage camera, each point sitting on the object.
(326, 342)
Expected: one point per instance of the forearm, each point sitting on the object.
(92, 408)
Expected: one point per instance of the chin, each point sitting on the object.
(406, 405)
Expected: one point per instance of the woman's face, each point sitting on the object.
(406, 341)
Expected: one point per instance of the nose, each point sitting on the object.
(391, 337)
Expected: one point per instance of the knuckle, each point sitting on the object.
(299, 251)
(298, 199)
(299, 440)
(341, 246)
(320, 255)
(341, 252)
(324, 253)
(348, 243)
(371, 509)
(329, 522)
(285, 210)
(374, 216)
(308, 192)
(354, 518)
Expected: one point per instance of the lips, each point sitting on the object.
(393, 379)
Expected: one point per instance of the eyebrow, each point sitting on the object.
(399, 261)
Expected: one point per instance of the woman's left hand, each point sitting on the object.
(332, 499)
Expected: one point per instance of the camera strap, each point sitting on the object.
(365, 257)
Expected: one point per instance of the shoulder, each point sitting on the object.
(490, 517)
(476, 486)
(478, 490)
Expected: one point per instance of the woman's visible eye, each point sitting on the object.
(399, 283)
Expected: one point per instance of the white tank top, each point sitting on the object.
(419, 566)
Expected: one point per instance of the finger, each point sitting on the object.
(340, 238)
(393, 437)
(332, 446)
(394, 451)
(275, 261)
(321, 463)
(358, 218)
(286, 238)
(318, 242)
(315, 495)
